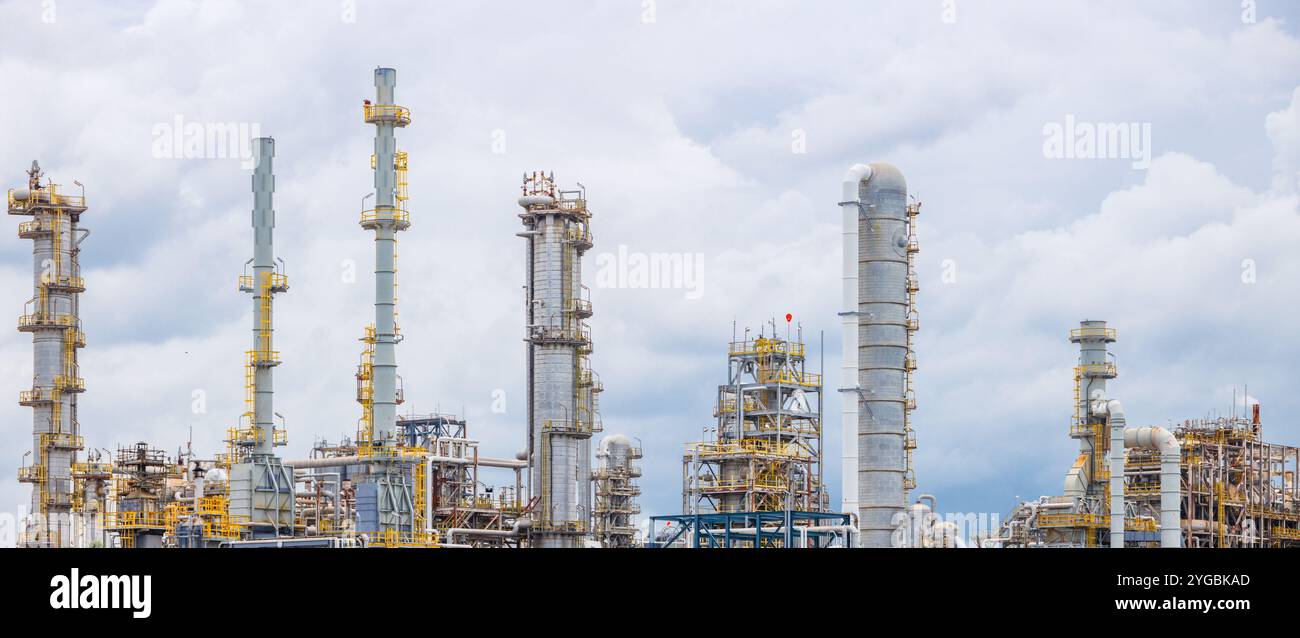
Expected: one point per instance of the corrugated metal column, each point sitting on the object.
(263, 287)
(882, 353)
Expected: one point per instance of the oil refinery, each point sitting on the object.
(757, 479)
(1207, 482)
(400, 481)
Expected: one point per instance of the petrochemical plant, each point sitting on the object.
(1207, 483)
(756, 480)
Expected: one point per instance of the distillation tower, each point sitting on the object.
(62, 488)
(562, 389)
(879, 320)
(616, 492)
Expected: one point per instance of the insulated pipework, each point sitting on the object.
(1151, 438)
(850, 206)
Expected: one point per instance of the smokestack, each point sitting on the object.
(387, 218)
(263, 285)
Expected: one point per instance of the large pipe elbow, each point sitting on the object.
(852, 179)
(1110, 407)
(1152, 437)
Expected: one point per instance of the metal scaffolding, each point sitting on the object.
(145, 480)
(729, 530)
(765, 453)
(616, 492)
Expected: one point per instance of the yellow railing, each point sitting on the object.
(1140, 524)
(213, 506)
(277, 281)
(728, 406)
(1142, 488)
(376, 112)
(46, 319)
(1285, 533)
(569, 425)
(1092, 333)
(757, 485)
(395, 452)
(255, 357)
(71, 384)
(243, 436)
(1072, 520)
(37, 395)
(393, 538)
(62, 440)
(134, 520)
(31, 474)
(92, 470)
(786, 375)
(34, 227)
(1086, 429)
(1098, 368)
(64, 281)
(1095, 521)
(578, 235)
(766, 346)
(385, 214)
(49, 194)
(400, 165)
(707, 449)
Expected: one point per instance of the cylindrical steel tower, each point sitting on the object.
(52, 317)
(562, 388)
(265, 282)
(260, 485)
(884, 322)
(387, 218)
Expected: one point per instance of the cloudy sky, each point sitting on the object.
(719, 129)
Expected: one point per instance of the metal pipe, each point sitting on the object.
(850, 209)
(1115, 415)
(344, 461)
(1151, 438)
(1157, 438)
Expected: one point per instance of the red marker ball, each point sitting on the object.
(788, 317)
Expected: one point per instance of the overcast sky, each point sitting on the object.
(714, 128)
